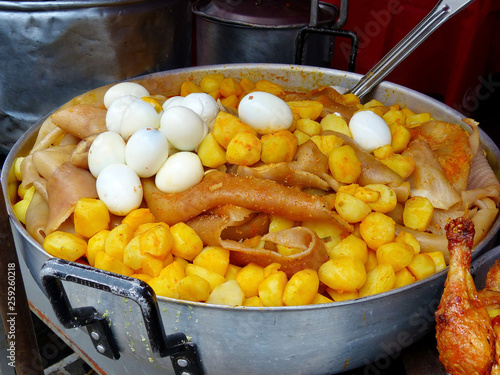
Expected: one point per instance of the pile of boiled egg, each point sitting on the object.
(146, 139)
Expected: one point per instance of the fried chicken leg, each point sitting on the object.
(465, 336)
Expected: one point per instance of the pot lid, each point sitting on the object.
(264, 12)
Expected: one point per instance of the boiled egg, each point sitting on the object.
(115, 112)
(369, 130)
(119, 187)
(201, 103)
(146, 151)
(108, 148)
(183, 128)
(264, 112)
(139, 114)
(124, 88)
(180, 172)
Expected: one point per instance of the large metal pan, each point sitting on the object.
(318, 339)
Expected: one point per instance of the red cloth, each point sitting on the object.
(451, 64)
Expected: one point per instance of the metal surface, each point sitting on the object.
(318, 339)
(52, 51)
(443, 11)
(246, 34)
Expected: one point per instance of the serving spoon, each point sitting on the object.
(443, 11)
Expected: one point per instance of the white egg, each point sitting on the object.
(180, 172)
(146, 151)
(204, 105)
(139, 114)
(119, 187)
(108, 148)
(369, 130)
(115, 112)
(183, 128)
(264, 112)
(124, 88)
(173, 102)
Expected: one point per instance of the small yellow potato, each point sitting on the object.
(271, 289)
(286, 250)
(301, 136)
(232, 101)
(335, 123)
(301, 288)
(187, 244)
(350, 99)
(163, 288)
(65, 245)
(151, 265)
(306, 109)
(409, 239)
(157, 241)
(278, 223)
(351, 246)
(141, 276)
(193, 288)
(132, 254)
(404, 165)
(438, 258)
(137, 217)
(278, 147)
(271, 268)
(371, 263)
(26, 194)
(350, 208)
(189, 87)
(213, 258)
(117, 239)
(270, 87)
(211, 153)
(326, 143)
(387, 199)
(341, 296)
(327, 230)
(229, 86)
(403, 277)
(227, 293)
(226, 126)
(394, 116)
(212, 277)
(95, 244)
(400, 136)
(20, 209)
(418, 213)
(254, 301)
(344, 164)
(17, 168)
(211, 82)
(247, 85)
(365, 194)
(383, 152)
(182, 262)
(244, 149)
(249, 278)
(320, 298)
(407, 112)
(90, 216)
(345, 274)
(231, 271)
(417, 119)
(106, 262)
(377, 229)
(173, 272)
(422, 266)
(381, 279)
(397, 254)
(310, 127)
(348, 189)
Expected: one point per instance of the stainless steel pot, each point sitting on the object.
(317, 339)
(52, 51)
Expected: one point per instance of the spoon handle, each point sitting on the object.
(444, 10)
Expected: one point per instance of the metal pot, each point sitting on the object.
(263, 31)
(317, 339)
(52, 51)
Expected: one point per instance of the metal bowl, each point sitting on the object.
(318, 339)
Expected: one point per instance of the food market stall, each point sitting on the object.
(115, 323)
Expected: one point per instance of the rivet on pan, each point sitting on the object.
(101, 349)
(95, 335)
(182, 362)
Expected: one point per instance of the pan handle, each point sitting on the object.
(184, 354)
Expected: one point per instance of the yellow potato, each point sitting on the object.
(20, 209)
(394, 116)
(231, 271)
(350, 208)
(157, 241)
(381, 279)
(344, 274)
(95, 244)
(367, 195)
(214, 258)
(254, 301)
(306, 109)
(301, 288)
(173, 272)
(341, 296)
(247, 85)
(438, 258)
(335, 123)
(422, 266)
(351, 246)
(117, 239)
(212, 277)
(409, 239)
(301, 136)
(227, 293)
(65, 245)
(417, 119)
(400, 135)
(106, 262)
(397, 254)
(278, 147)
(90, 216)
(278, 223)
(137, 217)
(403, 165)
(244, 149)
(193, 288)
(249, 278)
(377, 229)
(387, 199)
(271, 289)
(211, 153)
(163, 288)
(308, 126)
(226, 126)
(326, 143)
(371, 263)
(187, 244)
(229, 86)
(344, 164)
(132, 254)
(403, 277)
(270, 87)
(320, 298)
(151, 265)
(189, 87)
(418, 213)
(211, 82)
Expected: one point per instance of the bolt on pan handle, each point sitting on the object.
(184, 355)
